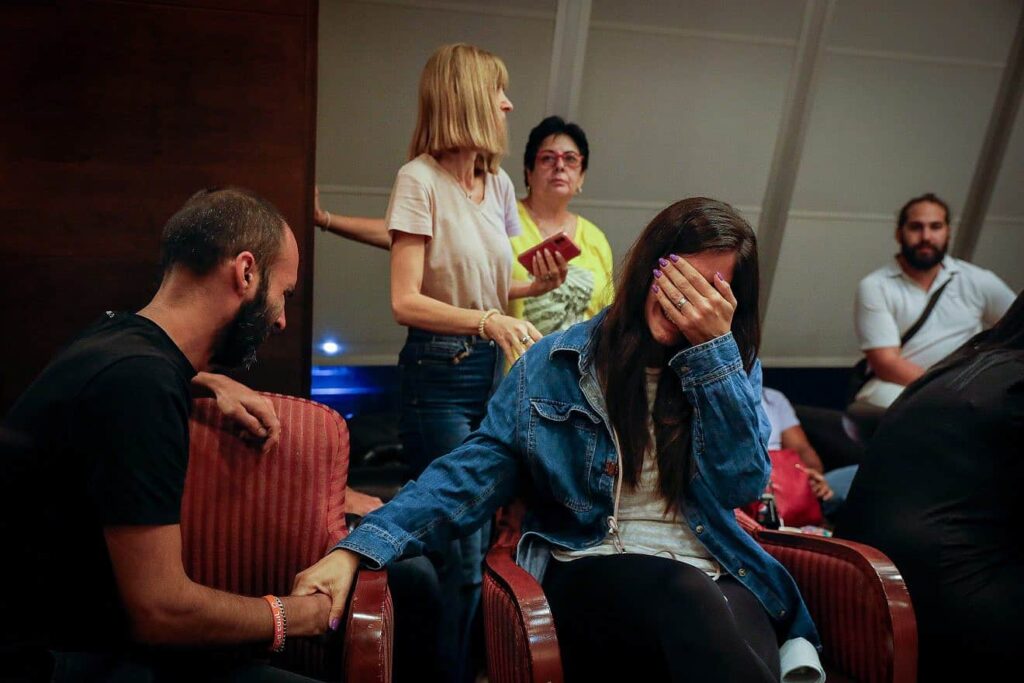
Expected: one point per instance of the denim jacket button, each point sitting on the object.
(782, 613)
(742, 572)
(699, 529)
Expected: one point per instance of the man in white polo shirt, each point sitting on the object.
(891, 299)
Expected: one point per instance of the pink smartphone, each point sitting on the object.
(559, 242)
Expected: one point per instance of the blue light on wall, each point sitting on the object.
(356, 388)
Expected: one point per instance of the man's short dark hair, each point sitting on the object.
(219, 223)
(927, 197)
(553, 125)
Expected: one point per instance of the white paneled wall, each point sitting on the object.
(681, 98)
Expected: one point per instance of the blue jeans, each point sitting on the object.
(447, 381)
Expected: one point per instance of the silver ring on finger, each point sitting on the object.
(682, 302)
(548, 277)
(525, 339)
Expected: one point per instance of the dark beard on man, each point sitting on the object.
(920, 260)
(251, 326)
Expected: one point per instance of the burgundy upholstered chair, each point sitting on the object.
(854, 593)
(251, 522)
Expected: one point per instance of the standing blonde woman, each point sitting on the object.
(451, 213)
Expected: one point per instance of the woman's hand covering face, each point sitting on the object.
(702, 312)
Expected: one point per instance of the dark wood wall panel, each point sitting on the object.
(111, 115)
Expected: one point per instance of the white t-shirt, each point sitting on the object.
(644, 526)
(468, 258)
(888, 303)
(780, 414)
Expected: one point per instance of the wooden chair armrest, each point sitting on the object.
(369, 629)
(521, 641)
(857, 599)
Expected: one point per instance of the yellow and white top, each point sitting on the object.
(588, 288)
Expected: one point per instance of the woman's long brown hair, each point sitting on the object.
(625, 344)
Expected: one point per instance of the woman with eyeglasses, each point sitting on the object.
(554, 167)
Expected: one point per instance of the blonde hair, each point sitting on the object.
(457, 107)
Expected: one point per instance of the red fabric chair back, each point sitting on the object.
(251, 522)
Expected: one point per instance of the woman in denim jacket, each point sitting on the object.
(631, 437)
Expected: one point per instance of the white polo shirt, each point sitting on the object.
(888, 303)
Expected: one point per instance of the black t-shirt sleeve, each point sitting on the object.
(137, 430)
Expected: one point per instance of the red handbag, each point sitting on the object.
(794, 500)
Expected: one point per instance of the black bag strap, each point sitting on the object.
(926, 312)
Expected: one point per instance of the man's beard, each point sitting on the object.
(919, 260)
(240, 339)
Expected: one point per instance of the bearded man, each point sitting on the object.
(94, 460)
(891, 300)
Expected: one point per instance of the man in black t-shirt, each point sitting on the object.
(95, 453)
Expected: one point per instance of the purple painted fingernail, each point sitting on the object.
(719, 276)
(655, 289)
(673, 257)
(335, 623)
(663, 262)
(657, 273)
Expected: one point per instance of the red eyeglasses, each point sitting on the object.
(549, 159)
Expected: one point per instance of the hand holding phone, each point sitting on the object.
(559, 243)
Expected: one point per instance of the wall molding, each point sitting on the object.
(790, 43)
(651, 205)
(894, 56)
(497, 10)
(493, 10)
(568, 54)
(698, 34)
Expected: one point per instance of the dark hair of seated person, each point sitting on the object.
(687, 227)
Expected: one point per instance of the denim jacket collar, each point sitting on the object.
(582, 340)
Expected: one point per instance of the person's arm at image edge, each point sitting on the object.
(367, 230)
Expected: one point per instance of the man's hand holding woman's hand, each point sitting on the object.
(332, 576)
(700, 311)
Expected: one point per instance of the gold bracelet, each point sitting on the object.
(483, 321)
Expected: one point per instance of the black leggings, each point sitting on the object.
(618, 616)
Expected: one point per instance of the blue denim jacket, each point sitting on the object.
(547, 438)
